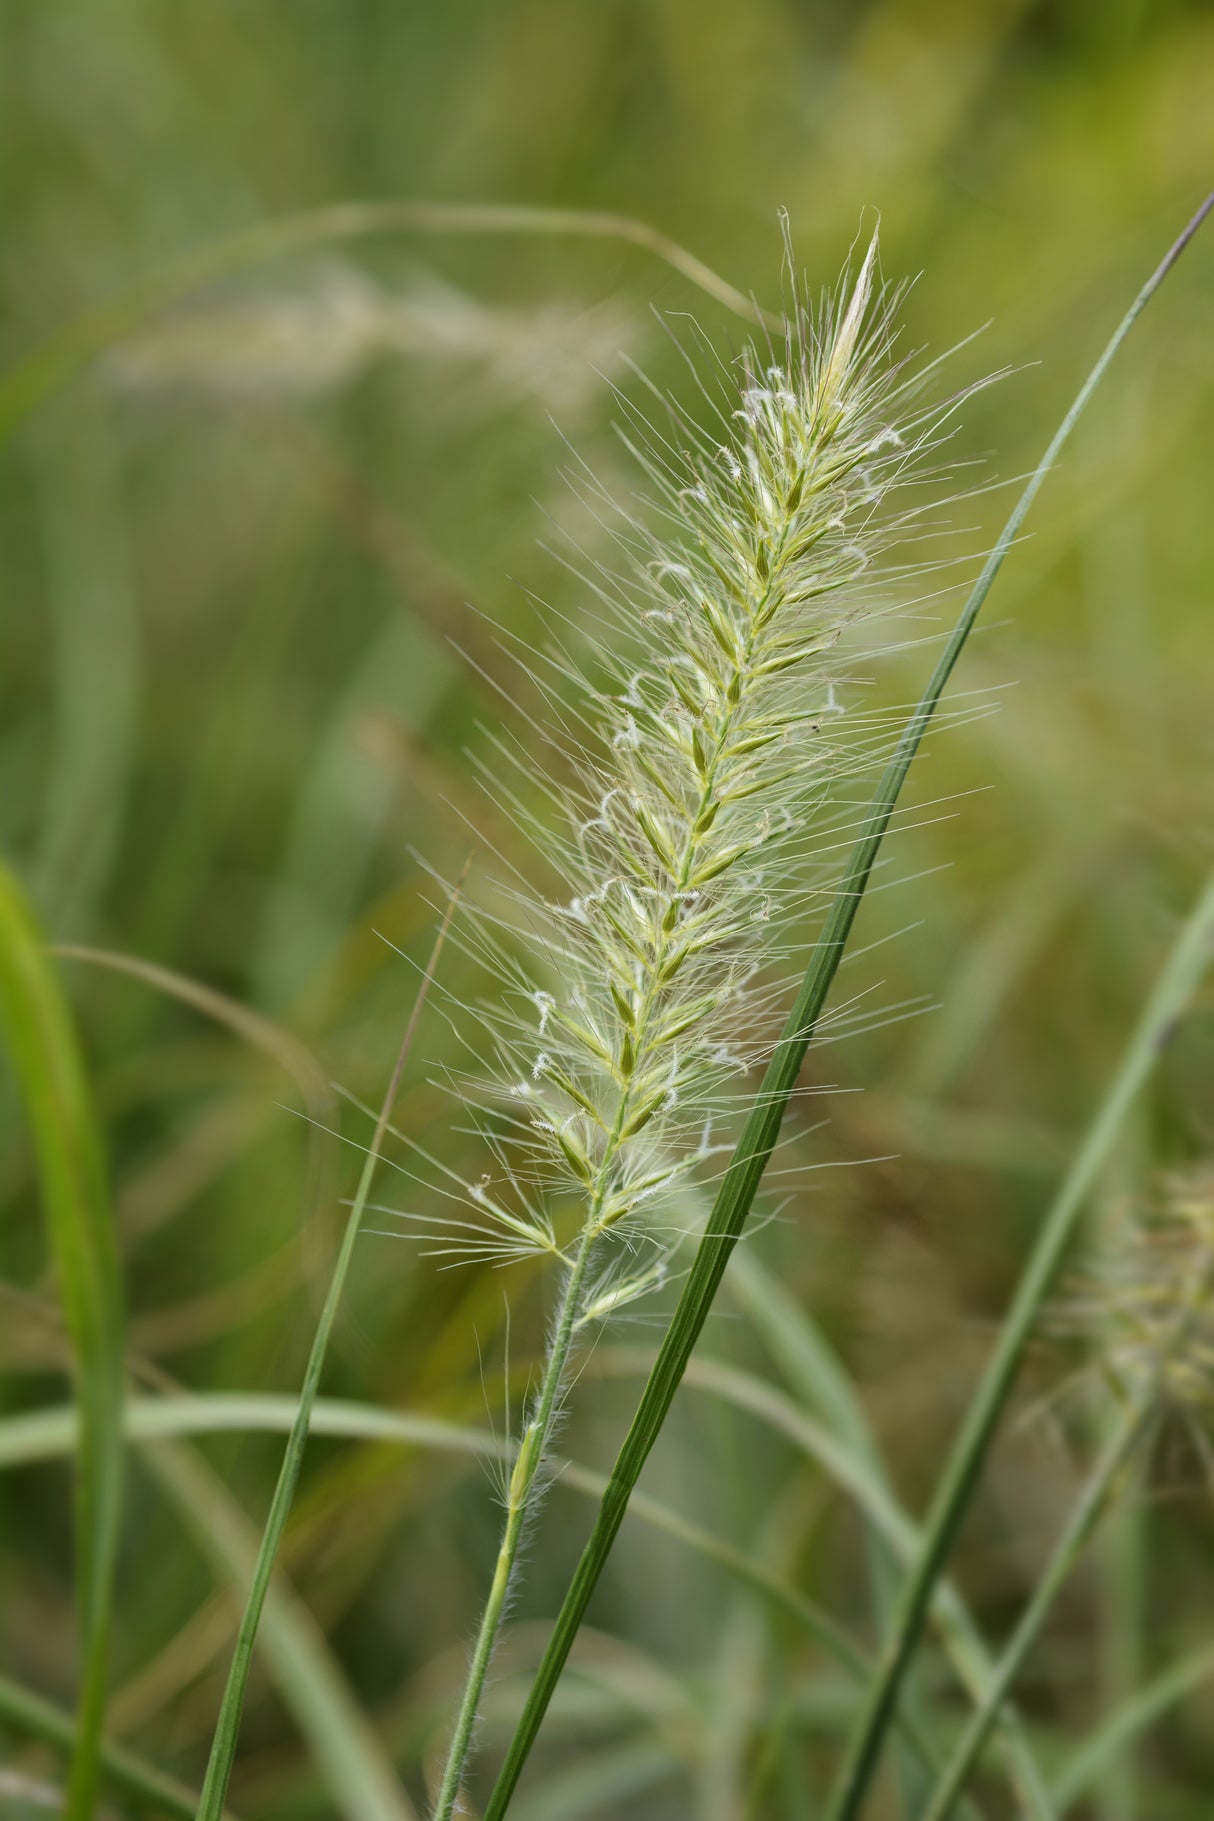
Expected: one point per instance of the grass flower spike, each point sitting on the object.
(706, 757)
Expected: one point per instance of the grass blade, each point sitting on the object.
(1126, 1722)
(746, 1167)
(41, 1040)
(223, 1745)
(47, 1434)
(35, 1718)
(48, 366)
(355, 1765)
(257, 1030)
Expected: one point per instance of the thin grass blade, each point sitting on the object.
(1127, 1722)
(41, 1040)
(32, 1717)
(355, 1765)
(48, 1434)
(223, 1745)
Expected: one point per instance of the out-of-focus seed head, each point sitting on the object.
(1147, 1307)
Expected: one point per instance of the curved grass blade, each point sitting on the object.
(746, 1167)
(254, 1027)
(227, 1728)
(30, 1715)
(47, 1434)
(48, 366)
(863, 1482)
(346, 1749)
(1126, 1722)
(41, 1040)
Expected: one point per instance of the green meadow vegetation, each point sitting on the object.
(606, 911)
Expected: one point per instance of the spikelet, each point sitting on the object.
(710, 736)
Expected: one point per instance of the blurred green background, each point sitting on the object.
(255, 558)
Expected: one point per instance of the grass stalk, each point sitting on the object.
(521, 1491)
(745, 1170)
(641, 1070)
(223, 1745)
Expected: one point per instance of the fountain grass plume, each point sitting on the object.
(708, 744)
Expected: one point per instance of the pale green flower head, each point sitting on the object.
(712, 730)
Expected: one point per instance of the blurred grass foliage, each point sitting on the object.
(256, 560)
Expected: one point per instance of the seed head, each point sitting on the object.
(707, 738)
(1149, 1305)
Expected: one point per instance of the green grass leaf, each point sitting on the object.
(34, 1718)
(761, 1131)
(42, 1435)
(1127, 1722)
(42, 1045)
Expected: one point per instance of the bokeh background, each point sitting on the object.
(259, 558)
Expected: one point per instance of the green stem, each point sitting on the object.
(524, 1479)
(223, 1745)
(1183, 969)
